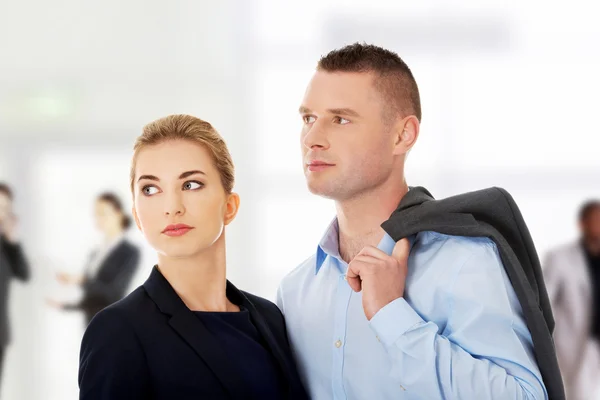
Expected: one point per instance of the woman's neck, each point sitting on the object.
(200, 280)
(113, 233)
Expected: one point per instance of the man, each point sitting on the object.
(572, 275)
(367, 321)
(12, 262)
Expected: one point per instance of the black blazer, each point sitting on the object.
(12, 265)
(110, 282)
(150, 345)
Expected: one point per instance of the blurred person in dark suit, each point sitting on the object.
(572, 275)
(12, 262)
(111, 266)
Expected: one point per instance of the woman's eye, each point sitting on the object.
(149, 190)
(192, 185)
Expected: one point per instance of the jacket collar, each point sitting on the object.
(204, 343)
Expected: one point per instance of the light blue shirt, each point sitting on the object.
(458, 332)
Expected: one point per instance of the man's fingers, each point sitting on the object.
(401, 250)
(355, 283)
(353, 274)
(372, 252)
(353, 278)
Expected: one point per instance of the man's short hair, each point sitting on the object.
(6, 190)
(394, 80)
(587, 208)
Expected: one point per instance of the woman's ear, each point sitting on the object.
(231, 207)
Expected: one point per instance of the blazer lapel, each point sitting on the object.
(195, 333)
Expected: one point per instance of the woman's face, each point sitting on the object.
(5, 207)
(107, 217)
(179, 201)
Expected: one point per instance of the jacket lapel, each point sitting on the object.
(195, 333)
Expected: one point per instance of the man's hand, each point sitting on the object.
(380, 277)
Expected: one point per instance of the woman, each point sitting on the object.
(111, 267)
(186, 333)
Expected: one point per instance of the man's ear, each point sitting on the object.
(407, 133)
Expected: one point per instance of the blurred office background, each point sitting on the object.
(509, 92)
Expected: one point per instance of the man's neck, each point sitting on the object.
(360, 218)
(592, 246)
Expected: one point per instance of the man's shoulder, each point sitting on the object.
(567, 253)
(301, 271)
(565, 249)
(458, 245)
(448, 253)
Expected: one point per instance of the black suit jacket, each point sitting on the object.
(110, 282)
(150, 345)
(12, 265)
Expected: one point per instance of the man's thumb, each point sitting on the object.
(401, 250)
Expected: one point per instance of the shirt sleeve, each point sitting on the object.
(485, 350)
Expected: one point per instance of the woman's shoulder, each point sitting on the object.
(258, 301)
(133, 306)
(264, 306)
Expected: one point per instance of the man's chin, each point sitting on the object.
(321, 191)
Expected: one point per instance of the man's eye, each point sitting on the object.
(309, 119)
(341, 121)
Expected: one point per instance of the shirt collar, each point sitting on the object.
(330, 245)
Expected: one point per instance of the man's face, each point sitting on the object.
(347, 146)
(5, 207)
(590, 227)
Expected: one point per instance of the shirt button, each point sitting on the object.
(338, 344)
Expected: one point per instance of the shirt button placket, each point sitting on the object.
(342, 299)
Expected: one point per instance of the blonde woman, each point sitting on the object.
(187, 332)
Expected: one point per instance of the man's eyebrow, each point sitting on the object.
(336, 111)
(304, 110)
(343, 111)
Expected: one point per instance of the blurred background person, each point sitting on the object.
(111, 265)
(572, 275)
(12, 263)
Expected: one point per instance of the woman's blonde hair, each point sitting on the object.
(187, 127)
